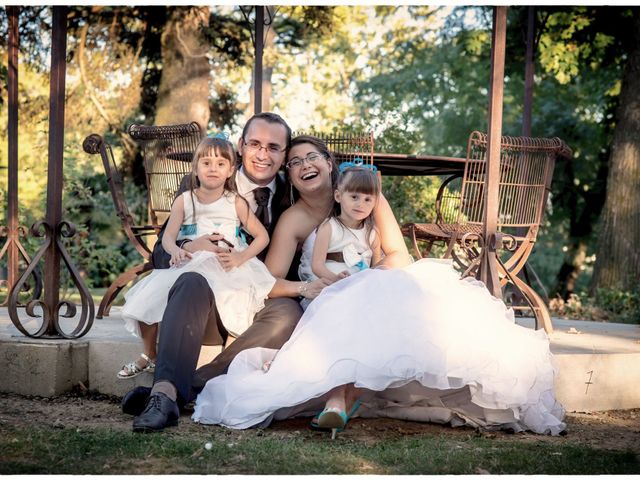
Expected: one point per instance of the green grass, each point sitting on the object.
(69, 451)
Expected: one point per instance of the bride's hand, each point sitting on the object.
(313, 289)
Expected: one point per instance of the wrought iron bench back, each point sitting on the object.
(167, 152)
(347, 147)
(526, 171)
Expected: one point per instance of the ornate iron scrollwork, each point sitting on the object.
(51, 314)
(270, 13)
(13, 241)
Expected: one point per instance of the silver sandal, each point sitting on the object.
(132, 369)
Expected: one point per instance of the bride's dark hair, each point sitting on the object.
(323, 150)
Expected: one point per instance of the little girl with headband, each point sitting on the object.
(347, 241)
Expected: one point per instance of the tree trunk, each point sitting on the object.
(183, 95)
(581, 225)
(618, 258)
(570, 269)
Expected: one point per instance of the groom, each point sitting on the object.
(191, 318)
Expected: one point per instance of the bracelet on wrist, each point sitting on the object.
(302, 289)
(182, 243)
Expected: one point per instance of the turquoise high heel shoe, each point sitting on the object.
(334, 419)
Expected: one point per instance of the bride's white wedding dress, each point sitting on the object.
(426, 345)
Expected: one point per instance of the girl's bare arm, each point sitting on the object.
(176, 217)
(319, 258)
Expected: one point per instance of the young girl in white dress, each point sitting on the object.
(239, 281)
(347, 242)
(414, 343)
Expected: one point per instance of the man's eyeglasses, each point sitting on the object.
(255, 146)
(311, 158)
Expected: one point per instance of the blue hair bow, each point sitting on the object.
(222, 135)
(357, 163)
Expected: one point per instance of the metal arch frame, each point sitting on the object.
(13, 248)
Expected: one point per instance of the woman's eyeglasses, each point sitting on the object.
(255, 146)
(311, 158)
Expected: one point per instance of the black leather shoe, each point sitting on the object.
(134, 401)
(159, 413)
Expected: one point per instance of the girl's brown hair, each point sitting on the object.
(358, 180)
(213, 146)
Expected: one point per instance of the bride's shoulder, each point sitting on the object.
(293, 215)
(296, 222)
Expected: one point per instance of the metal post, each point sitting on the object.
(13, 230)
(527, 114)
(257, 70)
(12, 127)
(56, 144)
(488, 271)
(528, 74)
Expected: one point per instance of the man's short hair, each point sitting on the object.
(269, 117)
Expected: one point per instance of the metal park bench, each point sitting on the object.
(526, 171)
(167, 152)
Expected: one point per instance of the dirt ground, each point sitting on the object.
(614, 430)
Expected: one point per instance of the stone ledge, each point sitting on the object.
(596, 382)
(606, 355)
(45, 367)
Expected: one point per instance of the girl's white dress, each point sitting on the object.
(239, 293)
(426, 345)
(350, 242)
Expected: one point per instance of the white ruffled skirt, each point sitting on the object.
(426, 346)
(240, 293)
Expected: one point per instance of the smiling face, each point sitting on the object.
(213, 170)
(309, 170)
(263, 150)
(356, 195)
(355, 207)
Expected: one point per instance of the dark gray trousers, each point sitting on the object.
(191, 320)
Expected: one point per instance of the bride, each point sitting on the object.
(414, 342)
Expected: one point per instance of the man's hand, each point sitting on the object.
(205, 242)
(343, 274)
